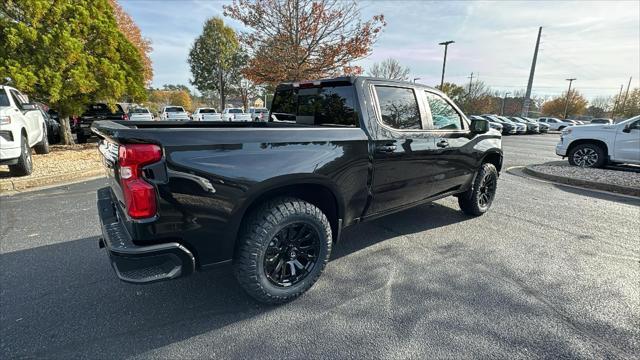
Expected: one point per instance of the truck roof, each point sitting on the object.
(351, 80)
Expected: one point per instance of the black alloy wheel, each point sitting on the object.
(291, 255)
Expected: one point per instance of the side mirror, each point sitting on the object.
(627, 128)
(479, 126)
(29, 106)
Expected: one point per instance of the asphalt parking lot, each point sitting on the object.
(550, 271)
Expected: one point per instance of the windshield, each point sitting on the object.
(93, 109)
(174, 109)
(235, 111)
(139, 111)
(4, 100)
(207, 111)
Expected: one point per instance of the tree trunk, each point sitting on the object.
(67, 137)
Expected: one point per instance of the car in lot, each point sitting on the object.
(520, 128)
(206, 114)
(235, 114)
(532, 127)
(271, 198)
(508, 128)
(544, 128)
(93, 112)
(138, 113)
(174, 113)
(258, 114)
(53, 127)
(601, 121)
(600, 144)
(555, 124)
(22, 127)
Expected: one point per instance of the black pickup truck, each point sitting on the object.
(95, 112)
(272, 198)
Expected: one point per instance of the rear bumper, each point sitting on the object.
(139, 264)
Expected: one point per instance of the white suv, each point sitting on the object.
(595, 145)
(22, 127)
(555, 123)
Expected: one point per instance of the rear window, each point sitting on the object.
(207, 111)
(102, 109)
(139, 111)
(4, 99)
(326, 105)
(398, 107)
(259, 111)
(174, 109)
(235, 111)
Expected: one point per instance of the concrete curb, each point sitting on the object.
(625, 190)
(22, 185)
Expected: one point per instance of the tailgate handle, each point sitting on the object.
(386, 148)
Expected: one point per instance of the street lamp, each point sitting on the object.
(503, 99)
(444, 63)
(566, 103)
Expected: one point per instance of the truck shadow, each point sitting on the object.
(63, 301)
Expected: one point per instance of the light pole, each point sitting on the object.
(503, 99)
(444, 63)
(566, 104)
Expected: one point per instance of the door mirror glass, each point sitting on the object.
(479, 126)
(29, 106)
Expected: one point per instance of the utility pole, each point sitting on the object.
(527, 97)
(503, 100)
(444, 63)
(566, 103)
(615, 105)
(624, 102)
(470, 82)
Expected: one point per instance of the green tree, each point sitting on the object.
(67, 54)
(555, 107)
(216, 59)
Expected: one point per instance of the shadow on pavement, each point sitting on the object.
(63, 301)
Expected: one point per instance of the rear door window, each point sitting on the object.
(4, 99)
(398, 107)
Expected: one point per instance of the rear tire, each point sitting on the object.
(283, 235)
(478, 199)
(587, 155)
(43, 146)
(24, 166)
(81, 137)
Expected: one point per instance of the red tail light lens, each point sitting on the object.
(125, 117)
(139, 195)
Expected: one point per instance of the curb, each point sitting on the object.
(23, 185)
(625, 190)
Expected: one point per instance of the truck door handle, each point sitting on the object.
(442, 143)
(386, 148)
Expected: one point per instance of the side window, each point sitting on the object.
(444, 116)
(324, 105)
(17, 99)
(398, 107)
(635, 125)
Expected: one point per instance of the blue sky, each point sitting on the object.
(596, 42)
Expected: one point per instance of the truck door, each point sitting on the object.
(627, 143)
(402, 170)
(31, 118)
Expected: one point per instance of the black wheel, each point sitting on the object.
(284, 246)
(478, 199)
(25, 165)
(81, 137)
(587, 155)
(43, 146)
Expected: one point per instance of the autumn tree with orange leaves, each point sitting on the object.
(131, 31)
(303, 39)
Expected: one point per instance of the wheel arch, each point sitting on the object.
(493, 157)
(598, 142)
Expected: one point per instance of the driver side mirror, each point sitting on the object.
(479, 126)
(29, 106)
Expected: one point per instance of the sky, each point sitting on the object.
(598, 43)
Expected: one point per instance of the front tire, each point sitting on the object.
(478, 199)
(587, 155)
(43, 146)
(24, 166)
(284, 246)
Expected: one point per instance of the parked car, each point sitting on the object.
(53, 127)
(532, 127)
(597, 145)
(520, 128)
(22, 127)
(575, 122)
(555, 123)
(206, 114)
(493, 124)
(139, 114)
(259, 114)
(602, 121)
(272, 198)
(508, 128)
(93, 112)
(235, 114)
(177, 113)
(544, 128)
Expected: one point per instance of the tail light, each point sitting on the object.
(139, 195)
(125, 117)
